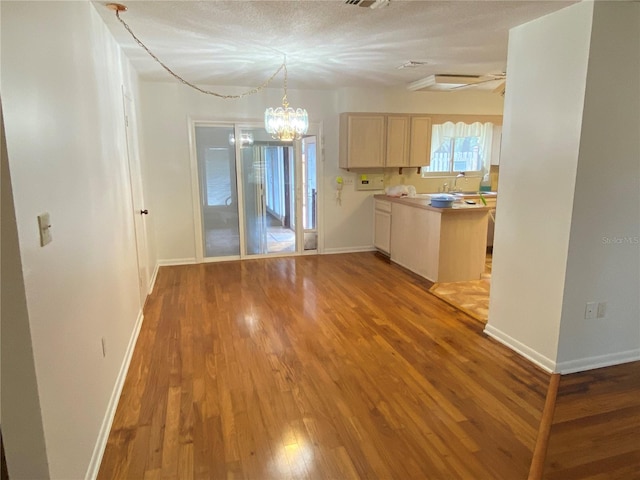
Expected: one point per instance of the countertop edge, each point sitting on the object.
(423, 203)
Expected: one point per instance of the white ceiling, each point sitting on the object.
(328, 43)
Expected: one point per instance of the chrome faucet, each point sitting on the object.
(455, 182)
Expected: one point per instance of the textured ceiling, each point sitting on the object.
(328, 44)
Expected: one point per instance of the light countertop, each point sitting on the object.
(423, 201)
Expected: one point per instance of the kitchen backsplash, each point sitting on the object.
(493, 175)
(410, 176)
(430, 185)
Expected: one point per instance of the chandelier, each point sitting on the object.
(284, 123)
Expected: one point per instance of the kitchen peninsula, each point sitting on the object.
(440, 244)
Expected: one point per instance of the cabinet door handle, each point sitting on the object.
(144, 212)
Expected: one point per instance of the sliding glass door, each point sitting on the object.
(216, 160)
(252, 191)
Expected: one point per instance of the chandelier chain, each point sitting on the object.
(285, 102)
(202, 90)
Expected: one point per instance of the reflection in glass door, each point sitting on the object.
(253, 199)
(216, 160)
(268, 186)
(309, 193)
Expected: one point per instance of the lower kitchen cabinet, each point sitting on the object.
(439, 244)
(382, 226)
(414, 240)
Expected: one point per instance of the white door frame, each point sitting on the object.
(137, 194)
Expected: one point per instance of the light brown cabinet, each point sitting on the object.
(382, 226)
(443, 246)
(378, 140)
(420, 149)
(398, 129)
(362, 140)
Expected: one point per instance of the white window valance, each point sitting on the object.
(450, 130)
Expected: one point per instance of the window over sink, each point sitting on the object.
(460, 147)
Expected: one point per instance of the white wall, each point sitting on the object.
(547, 68)
(61, 93)
(569, 206)
(20, 402)
(166, 108)
(604, 249)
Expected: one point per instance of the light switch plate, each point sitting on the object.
(44, 226)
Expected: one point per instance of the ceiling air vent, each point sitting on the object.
(368, 3)
(360, 3)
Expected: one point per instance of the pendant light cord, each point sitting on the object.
(202, 90)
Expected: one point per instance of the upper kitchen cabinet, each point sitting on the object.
(362, 140)
(379, 140)
(398, 128)
(420, 149)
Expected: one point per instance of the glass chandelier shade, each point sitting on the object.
(285, 123)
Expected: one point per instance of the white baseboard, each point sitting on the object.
(540, 360)
(154, 275)
(105, 428)
(564, 368)
(176, 261)
(332, 251)
(590, 363)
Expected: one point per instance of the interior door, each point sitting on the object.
(137, 198)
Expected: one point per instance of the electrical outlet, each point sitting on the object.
(602, 309)
(590, 311)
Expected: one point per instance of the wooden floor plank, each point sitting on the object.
(336, 366)
(595, 433)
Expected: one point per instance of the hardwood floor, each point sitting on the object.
(595, 432)
(335, 366)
